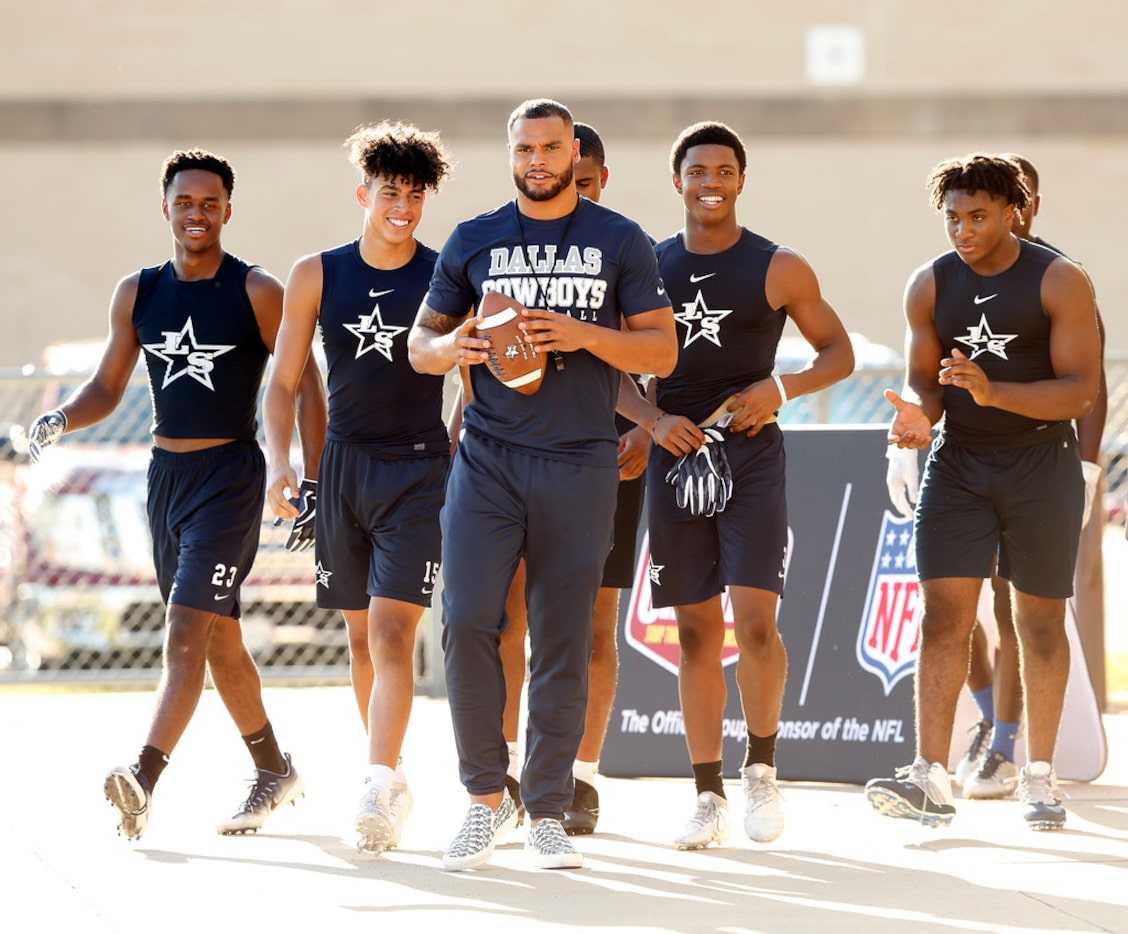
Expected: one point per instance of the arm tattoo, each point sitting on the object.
(432, 320)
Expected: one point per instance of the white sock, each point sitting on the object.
(585, 771)
(380, 775)
(400, 778)
(514, 761)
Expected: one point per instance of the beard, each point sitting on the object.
(544, 194)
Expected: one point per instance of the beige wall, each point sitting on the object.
(94, 95)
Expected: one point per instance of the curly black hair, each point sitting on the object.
(707, 133)
(399, 151)
(997, 175)
(184, 159)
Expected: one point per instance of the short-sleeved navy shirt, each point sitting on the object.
(594, 265)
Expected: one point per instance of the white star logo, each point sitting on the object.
(707, 321)
(196, 359)
(981, 339)
(321, 576)
(372, 333)
(654, 572)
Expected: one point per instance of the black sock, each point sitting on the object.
(264, 750)
(151, 763)
(760, 749)
(709, 776)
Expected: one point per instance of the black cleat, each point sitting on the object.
(583, 815)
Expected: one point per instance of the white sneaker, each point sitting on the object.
(921, 792)
(976, 750)
(1040, 796)
(269, 791)
(549, 847)
(996, 778)
(709, 824)
(763, 816)
(128, 791)
(481, 830)
(401, 803)
(375, 824)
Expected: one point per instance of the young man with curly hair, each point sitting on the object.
(1003, 343)
(376, 498)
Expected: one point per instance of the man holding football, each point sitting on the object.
(535, 476)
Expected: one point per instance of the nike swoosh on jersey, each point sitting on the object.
(986, 298)
(372, 293)
(695, 279)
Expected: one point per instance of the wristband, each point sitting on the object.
(654, 427)
(782, 391)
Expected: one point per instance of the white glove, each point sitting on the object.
(45, 431)
(903, 478)
(1092, 474)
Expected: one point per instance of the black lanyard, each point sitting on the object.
(557, 356)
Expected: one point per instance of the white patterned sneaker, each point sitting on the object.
(481, 830)
(709, 824)
(549, 847)
(375, 823)
(763, 816)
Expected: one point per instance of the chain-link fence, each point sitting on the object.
(78, 597)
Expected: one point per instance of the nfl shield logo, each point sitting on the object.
(889, 635)
(654, 632)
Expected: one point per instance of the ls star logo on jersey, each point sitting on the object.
(321, 576)
(371, 332)
(889, 634)
(701, 321)
(186, 356)
(981, 339)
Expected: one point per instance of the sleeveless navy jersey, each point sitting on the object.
(376, 399)
(999, 322)
(203, 351)
(727, 332)
(594, 265)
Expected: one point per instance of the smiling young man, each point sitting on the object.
(386, 453)
(733, 291)
(206, 322)
(534, 476)
(1002, 342)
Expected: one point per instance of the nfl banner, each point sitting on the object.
(849, 618)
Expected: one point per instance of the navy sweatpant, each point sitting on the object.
(502, 504)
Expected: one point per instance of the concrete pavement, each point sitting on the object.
(838, 866)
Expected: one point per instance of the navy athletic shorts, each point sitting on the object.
(618, 571)
(377, 526)
(205, 515)
(693, 558)
(1022, 506)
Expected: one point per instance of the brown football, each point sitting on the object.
(513, 360)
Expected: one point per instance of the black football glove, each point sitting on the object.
(301, 535)
(45, 431)
(703, 480)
